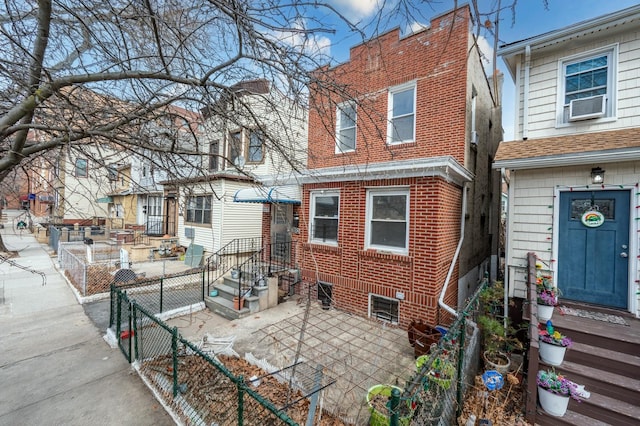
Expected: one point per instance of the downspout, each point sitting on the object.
(505, 284)
(525, 106)
(455, 255)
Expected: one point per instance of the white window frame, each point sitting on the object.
(390, 117)
(371, 193)
(612, 81)
(189, 207)
(382, 318)
(341, 147)
(312, 213)
(250, 139)
(79, 171)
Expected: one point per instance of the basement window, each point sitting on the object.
(383, 308)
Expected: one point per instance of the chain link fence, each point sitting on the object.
(161, 294)
(89, 277)
(199, 389)
(435, 394)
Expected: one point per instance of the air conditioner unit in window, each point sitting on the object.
(585, 108)
(474, 137)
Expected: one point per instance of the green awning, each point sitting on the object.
(105, 200)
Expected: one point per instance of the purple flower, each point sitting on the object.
(547, 297)
(557, 384)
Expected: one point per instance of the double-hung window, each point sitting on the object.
(324, 214)
(587, 86)
(235, 147)
(402, 114)
(387, 225)
(214, 146)
(255, 150)
(82, 168)
(199, 209)
(346, 127)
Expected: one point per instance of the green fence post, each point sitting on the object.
(393, 408)
(240, 400)
(111, 293)
(459, 393)
(161, 292)
(130, 328)
(134, 335)
(118, 313)
(174, 350)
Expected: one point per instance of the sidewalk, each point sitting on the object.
(55, 368)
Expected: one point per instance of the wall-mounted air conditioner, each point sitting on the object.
(586, 108)
(474, 137)
(189, 232)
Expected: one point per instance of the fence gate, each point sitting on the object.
(124, 322)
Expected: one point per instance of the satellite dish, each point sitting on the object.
(239, 163)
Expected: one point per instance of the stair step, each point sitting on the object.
(624, 388)
(570, 418)
(605, 359)
(607, 409)
(225, 308)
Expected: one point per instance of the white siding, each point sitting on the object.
(544, 85)
(533, 204)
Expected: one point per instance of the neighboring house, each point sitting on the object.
(254, 138)
(137, 199)
(573, 193)
(401, 207)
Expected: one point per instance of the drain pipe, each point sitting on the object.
(455, 255)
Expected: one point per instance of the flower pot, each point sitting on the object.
(553, 404)
(497, 361)
(238, 303)
(380, 417)
(551, 354)
(545, 312)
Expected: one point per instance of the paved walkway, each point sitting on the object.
(55, 368)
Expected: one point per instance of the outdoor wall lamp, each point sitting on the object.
(597, 175)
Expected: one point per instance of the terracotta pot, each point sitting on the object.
(553, 404)
(238, 303)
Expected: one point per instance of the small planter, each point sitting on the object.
(377, 397)
(545, 312)
(238, 303)
(497, 361)
(553, 404)
(551, 354)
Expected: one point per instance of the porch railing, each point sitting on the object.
(230, 256)
(531, 314)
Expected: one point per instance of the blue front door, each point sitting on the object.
(593, 260)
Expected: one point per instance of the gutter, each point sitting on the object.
(455, 256)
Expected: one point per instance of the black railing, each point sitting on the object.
(230, 256)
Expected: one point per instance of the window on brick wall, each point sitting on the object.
(402, 114)
(387, 225)
(199, 209)
(346, 127)
(324, 208)
(384, 308)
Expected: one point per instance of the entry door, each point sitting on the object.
(593, 255)
(281, 219)
(170, 216)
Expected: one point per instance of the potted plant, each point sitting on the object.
(547, 295)
(441, 372)
(494, 337)
(554, 391)
(553, 344)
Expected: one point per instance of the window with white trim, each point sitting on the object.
(199, 209)
(324, 208)
(235, 147)
(346, 127)
(384, 308)
(587, 77)
(387, 226)
(402, 114)
(82, 167)
(256, 147)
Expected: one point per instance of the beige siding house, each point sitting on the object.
(576, 157)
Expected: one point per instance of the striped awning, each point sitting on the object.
(289, 194)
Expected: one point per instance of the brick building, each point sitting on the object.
(400, 150)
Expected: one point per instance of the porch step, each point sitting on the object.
(227, 291)
(225, 308)
(570, 418)
(595, 357)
